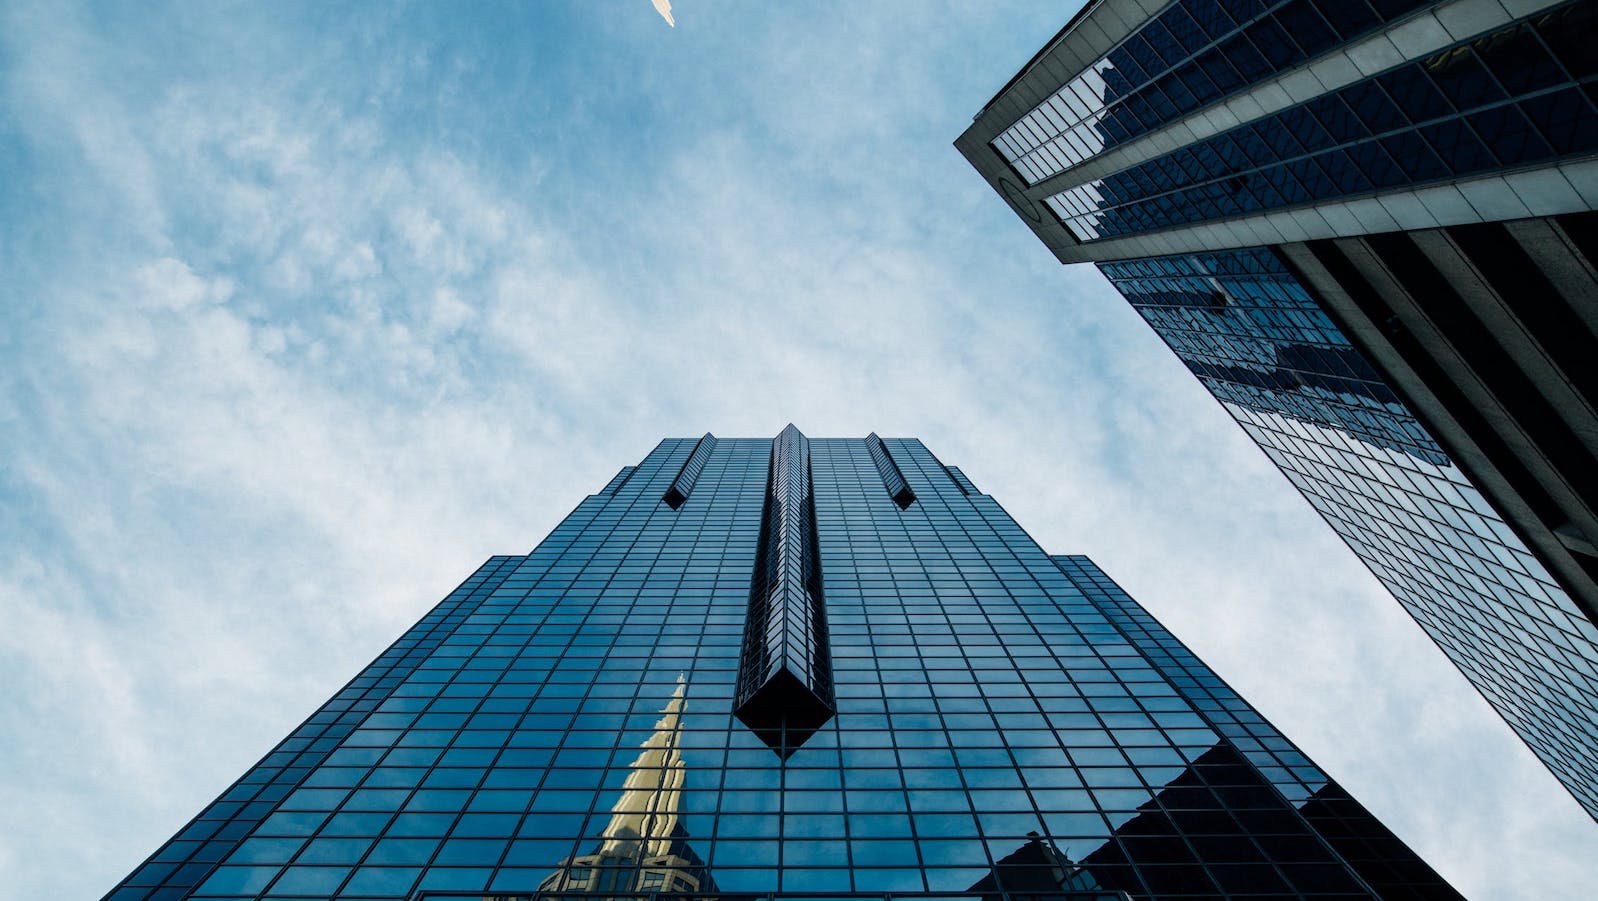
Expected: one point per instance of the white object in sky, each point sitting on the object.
(664, 8)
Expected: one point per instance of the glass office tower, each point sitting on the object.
(1367, 227)
(785, 666)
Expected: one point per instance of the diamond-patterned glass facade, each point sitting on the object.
(1007, 724)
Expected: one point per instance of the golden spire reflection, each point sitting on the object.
(645, 847)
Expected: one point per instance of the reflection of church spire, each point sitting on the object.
(645, 847)
(646, 816)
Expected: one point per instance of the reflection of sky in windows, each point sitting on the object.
(1189, 56)
(1253, 335)
(1514, 97)
(1340, 435)
(1002, 717)
(1431, 538)
(785, 674)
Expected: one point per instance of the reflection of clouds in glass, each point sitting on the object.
(645, 846)
(1065, 129)
(664, 8)
(1251, 332)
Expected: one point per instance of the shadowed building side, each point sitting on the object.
(1368, 228)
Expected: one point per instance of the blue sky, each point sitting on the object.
(308, 309)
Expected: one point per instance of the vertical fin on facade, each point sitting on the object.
(618, 480)
(683, 485)
(960, 481)
(892, 478)
(785, 692)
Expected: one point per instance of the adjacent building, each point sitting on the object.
(785, 667)
(1367, 227)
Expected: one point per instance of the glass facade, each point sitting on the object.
(1518, 96)
(1003, 723)
(1253, 335)
(1193, 53)
(1488, 320)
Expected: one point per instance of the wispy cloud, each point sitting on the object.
(314, 310)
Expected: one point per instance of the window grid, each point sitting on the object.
(1191, 55)
(1299, 388)
(1521, 95)
(574, 726)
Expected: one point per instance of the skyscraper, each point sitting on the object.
(785, 666)
(1367, 227)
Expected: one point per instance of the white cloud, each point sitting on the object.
(320, 349)
(168, 284)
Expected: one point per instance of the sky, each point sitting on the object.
(308, 309)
